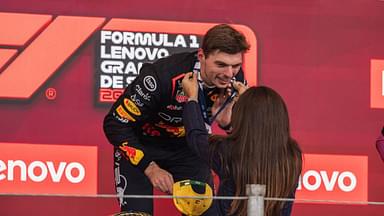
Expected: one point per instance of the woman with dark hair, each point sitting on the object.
(259, 149)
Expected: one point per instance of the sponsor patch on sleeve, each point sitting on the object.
(131, 107)
(124, 114)
(150, 83)
(134, 155)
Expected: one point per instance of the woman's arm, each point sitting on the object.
(196, 132)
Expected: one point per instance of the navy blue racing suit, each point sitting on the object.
(145, 124)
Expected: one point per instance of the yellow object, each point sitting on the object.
(192, 206)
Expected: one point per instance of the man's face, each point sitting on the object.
(218, 68)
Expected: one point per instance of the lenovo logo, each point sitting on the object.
(51, 169)
(312, 180)
(334, 177)
(38, 171)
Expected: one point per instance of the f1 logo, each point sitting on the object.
(377, 83)
(40, 44)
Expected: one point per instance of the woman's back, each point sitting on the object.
(259, 150)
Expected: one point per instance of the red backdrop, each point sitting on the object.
(316, 54)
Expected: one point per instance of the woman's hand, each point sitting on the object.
(191, 86)
(239, 87)
(224, 117)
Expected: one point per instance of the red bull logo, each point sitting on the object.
(134, 155)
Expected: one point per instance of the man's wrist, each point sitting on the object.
(150, 167)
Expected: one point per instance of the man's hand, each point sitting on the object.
(160, 178)
(190, 86)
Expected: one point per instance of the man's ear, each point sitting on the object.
(200, 55)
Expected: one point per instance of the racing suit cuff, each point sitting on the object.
(144, 164)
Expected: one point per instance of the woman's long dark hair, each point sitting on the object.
(261, 150)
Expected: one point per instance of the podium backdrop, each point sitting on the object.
(62, 64)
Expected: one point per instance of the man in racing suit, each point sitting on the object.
(145, 124)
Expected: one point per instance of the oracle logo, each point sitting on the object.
(49, 169)
(334, 177)
(312, 180)
(38, 171)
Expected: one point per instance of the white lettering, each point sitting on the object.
(316, 185)
(68, 172)
(118, 67)
(56, 175)
(144, 39)
(145, 96)
(193, 43)
(38, 171)
(111, 81)
(31, 171)
(169, 118)
(180, 41)
(162, 53)
(329, 183)
(103, 52)
(166, 42)
(105, 35)
(3, 167)
(117, 38)
(116, 52)
(23, 170)
(105, 81)
(351, 177)
(133, 53)
(131, 69)
(112, 67)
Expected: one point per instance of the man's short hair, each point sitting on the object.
(224, 38)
